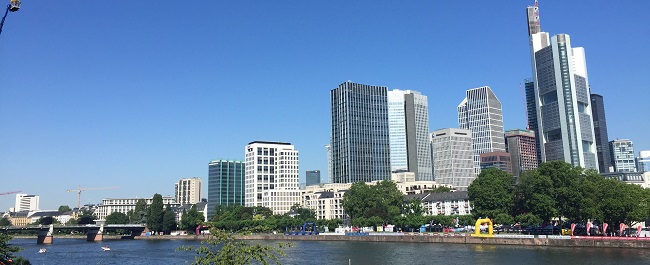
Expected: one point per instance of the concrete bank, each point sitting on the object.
(535, 241)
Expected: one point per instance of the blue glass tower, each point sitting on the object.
(225, 184)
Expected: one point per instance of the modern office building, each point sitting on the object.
(312, 177)
(600, 133)
(521, 145)
(188, 191)
(562, 98)
(531, 116)
(446, 203)
(622, 153)
(329, 163)
(408, 124)
(25, 202)
(453, 159)
(124, 205)
(360, 138)
(643, 161)
(500, 160)
(480, 112)
(225, 184)
(271, 176)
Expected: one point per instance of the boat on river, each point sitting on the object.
(42, 250)
(105, 248)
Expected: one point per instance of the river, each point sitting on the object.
(79, 251)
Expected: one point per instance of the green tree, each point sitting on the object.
(383, 200)
(535, 195)
(86, 217)
(7, 250)
(117, 218)
(192, 219)
(221, 248)
(528, 219)
(413, 207)
(441, 189)
(4, 221)
(139, 214)
(169, 220)
(302, 212)
(46, 220)
(504, 218)
(491, 193)
(64, 208)
(155, 213)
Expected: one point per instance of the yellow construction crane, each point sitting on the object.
(80, 189)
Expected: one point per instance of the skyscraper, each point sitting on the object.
(312, 177)
(271, 178)
(531, 115)
(480, 112)
(500, 160)
(521, 145)
(562, 99)
(360, 141)
(188, 191)
(600, 131)
(225, 184)
(622, 153)
(408, 124)
(453, 159)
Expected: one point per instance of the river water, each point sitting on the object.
(79, 251)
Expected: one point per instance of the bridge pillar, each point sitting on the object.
(44, 238)
(94, 235)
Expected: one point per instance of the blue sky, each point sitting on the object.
(139, 94)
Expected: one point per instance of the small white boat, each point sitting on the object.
(105, 248)
(42, 250)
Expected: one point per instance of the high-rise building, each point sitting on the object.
(562, 99)
(25, 202)
(480, 112)
(225, 184)
(531, 116)
(188, 191)
(521, 145)
(622, 153)
(643, 161)
(408, 124)
(453, 159)
(600, 131)
(500, 160)
(329, 163)
(312, 177)
(271, 178)
(360, 141)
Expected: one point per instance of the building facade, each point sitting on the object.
(188, 191)
(480, 112)
(359, 138)
(25, 202)
(408, 124)
(522, 147)
(600, 133)
(312, 177)
(643, 161)
(225, 184)
(562, 98)
(622, 153)
(500, 160)
(453, 158)
(271, 176)
(531, 116)
(124, 205)
(446, 203)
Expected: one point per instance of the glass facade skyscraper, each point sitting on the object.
(225, 184)
(622, 153)
(408, 123)
(600, 131)
(312, 177)
(360, 139)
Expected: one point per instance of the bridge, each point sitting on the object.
(93, 232)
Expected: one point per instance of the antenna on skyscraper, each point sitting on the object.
(523, 98)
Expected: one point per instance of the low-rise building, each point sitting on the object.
(445, 203)
(124, 205)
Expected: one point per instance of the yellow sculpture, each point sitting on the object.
(479, 222)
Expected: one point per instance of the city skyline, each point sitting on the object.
(90, 100)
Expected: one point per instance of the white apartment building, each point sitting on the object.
(124, 205)
(188, 191)
(453, 159)
(26, 202)
(271, 176)
(408, 127)
(447, 203)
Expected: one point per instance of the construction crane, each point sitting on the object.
(80, 189)
(10, 192)
(13, 6)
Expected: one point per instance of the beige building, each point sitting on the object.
(124, 205)
(188, 191)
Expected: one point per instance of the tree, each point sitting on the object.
(528, 219)
(491, 193)
(192, 218)
(302, 212)
(221, 248)
(169, 220)
(383, 200)
(117, 218)
(7, 250)
(535, 195)
(139, 214)
(5, 221)
(46, 220)
(413, 207)
(503, 218)
(86, 217)
(441, 189)
(64, 208)
(155, 213)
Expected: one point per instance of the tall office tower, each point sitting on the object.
(453, 159)
(329, 162)
(271, 178)
(26, 202)
(225, 184)
(312, 177)
(188, 191)
(521, 145)
(643, 161)
(622, 153)
(480, 112)
(531, 116)
(562, 98)
(360, 141)
(408, 125)
(600, 131)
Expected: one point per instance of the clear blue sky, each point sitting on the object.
(139, 94)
